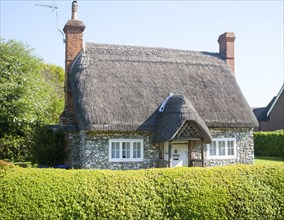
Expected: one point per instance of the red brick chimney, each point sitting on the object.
(227, 48)
(73, 30)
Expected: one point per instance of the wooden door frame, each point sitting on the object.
(191, 145)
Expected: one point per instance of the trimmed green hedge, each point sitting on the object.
(231, 192)
(269, 143)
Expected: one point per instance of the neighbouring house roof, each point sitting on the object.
(262, 114)
(120, 88)
(276, 100)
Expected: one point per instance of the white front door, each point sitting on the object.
(179, 155)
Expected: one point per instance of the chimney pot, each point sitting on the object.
(74, 10)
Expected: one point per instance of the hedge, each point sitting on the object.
(269, 143)
(47, 147)
(231, 192)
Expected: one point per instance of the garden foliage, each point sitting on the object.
(47, 147)
(269, 143)
(232, 192)
(31, 93)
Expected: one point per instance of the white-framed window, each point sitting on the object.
(126, 150)
(222, 148)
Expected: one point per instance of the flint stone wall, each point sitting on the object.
(244, 146)
(91, 151)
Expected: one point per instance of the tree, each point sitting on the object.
(31, 93)
(53, 77)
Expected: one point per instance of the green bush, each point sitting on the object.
(48, 146)
(232, 192)
(15, 147)
(269, 143)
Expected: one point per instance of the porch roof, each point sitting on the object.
(178, 115)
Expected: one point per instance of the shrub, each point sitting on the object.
(3, 164)
(15, 147)
(269, 143)
(48, 146)
(232, 192)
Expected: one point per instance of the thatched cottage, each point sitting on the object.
(129, 107)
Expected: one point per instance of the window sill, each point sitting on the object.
(221, 157)
(126, 160)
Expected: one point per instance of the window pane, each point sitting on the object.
(115, 150)
(125, 149)
(136, 150)
(222, 150)
(230, 148)
(212, 149)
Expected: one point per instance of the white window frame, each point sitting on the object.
(121, 159)
(226, 156)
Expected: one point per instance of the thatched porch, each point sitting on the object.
(182, 149)
(179, 132)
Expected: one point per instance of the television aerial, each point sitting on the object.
(53, 7)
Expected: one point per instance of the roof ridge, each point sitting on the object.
(151, 48)
(125, 53)
(161, 62)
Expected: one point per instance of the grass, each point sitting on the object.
(268, 160)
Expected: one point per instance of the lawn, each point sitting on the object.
(268, 160)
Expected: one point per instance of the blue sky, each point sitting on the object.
(189, 25)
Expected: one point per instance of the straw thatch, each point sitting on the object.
(177, 112)
(119, 88)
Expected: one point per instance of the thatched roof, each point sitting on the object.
(177, 112)
(120, 88)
